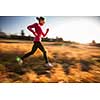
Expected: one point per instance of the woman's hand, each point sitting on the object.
(47, 30)
(35, 34)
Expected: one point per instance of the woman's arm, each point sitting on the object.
(44, 34)
(30, 28)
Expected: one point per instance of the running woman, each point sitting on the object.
(37, 41)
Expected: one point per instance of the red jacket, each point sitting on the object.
(38, 31)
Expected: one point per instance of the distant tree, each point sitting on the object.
(93, 42)
(59, 39)
(22, 33)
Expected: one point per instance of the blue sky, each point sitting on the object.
(79, 29)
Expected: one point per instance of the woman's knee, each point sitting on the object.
(44, 52)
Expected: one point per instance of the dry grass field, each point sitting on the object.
(72, 63)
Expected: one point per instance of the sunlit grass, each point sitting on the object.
(72, 63)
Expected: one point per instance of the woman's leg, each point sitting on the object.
(34, 48)
(40, 46)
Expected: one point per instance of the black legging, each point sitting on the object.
(34, 48)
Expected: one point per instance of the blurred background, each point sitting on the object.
(78, 29)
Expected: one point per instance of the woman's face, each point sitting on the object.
(41, 22)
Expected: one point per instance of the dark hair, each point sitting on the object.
(40, 18)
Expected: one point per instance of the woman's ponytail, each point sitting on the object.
(38, 18)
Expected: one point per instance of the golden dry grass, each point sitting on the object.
(71, 63)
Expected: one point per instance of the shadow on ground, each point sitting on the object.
(36, 64)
